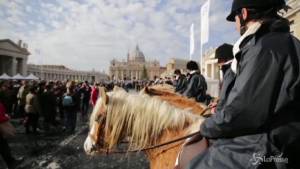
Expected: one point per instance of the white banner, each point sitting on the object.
(192, 42)
(205, 22)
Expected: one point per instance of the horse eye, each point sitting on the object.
(99, 119)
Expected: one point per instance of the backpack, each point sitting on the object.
(67, 101)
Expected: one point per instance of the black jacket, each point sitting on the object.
(196, 87)
(227, 84)
(261, 115)
(181, 84)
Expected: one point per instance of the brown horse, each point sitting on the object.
(146, 121)
(166, 93)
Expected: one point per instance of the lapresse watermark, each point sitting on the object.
(258, 159)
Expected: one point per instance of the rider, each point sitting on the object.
(225, 57)
(259, 125)
(181, 81)
(197, 86)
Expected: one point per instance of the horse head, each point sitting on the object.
(96, 139)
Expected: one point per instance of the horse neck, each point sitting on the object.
(165, 157)
(172, 130)
(144, 119)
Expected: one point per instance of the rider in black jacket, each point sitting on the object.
(181, 81)
(197, 86)
(259, 124)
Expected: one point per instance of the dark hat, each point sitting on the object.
(192, 65)
(177, 72)
(224, 52)
(255, 4)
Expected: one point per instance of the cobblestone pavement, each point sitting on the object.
(57, 150)
(61, 151)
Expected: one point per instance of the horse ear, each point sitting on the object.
(103, 94)
(117, 88)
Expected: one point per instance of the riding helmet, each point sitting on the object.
(224, 52)
(255, 4)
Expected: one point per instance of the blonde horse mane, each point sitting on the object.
(174, 99)
(143, 118)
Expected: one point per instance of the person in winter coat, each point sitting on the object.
(23, 91)
(70, 102)
(95, 94)
(197, 86)
(259, 124)
(85, 102)
(48, 105)
(180, 80)
(224, 55)
(7, 130)
(32, 110)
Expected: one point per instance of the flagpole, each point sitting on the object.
(192, 41)
(204, 28)
(201, 57)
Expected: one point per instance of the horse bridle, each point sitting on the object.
(99, 119)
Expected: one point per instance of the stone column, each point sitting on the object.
(24, 67)
(14, 66)
(213, 71)
(136, 75)
(206, 70)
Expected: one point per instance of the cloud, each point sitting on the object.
(87, 34)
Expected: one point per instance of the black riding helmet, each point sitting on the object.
(254, 4)
(224, 52)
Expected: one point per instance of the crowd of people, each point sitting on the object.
(42, 107)
(256, 117)
(49, 103)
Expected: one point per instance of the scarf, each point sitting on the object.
(236, 48)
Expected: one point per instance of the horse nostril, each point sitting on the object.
(93, 148)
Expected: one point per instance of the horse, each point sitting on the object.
(166, 93)
(146, 121)
(163, 87)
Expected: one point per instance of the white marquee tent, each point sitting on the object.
(18, 77)
(32, 77)
(4, 76)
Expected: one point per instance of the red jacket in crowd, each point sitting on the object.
(94, 95)
(3, 116)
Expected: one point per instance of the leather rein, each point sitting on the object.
(153, 147)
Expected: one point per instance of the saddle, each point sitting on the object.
(195, 146)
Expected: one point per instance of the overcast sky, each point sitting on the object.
(87, 34)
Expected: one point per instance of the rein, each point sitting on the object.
(153, 147)
(205, 110)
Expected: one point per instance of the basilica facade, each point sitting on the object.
(135, 67)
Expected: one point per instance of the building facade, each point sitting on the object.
(211, 72)
(293, 15)
(13, 57)
(210, 68)
(172, 65)
(134, 67)
(62, 73)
